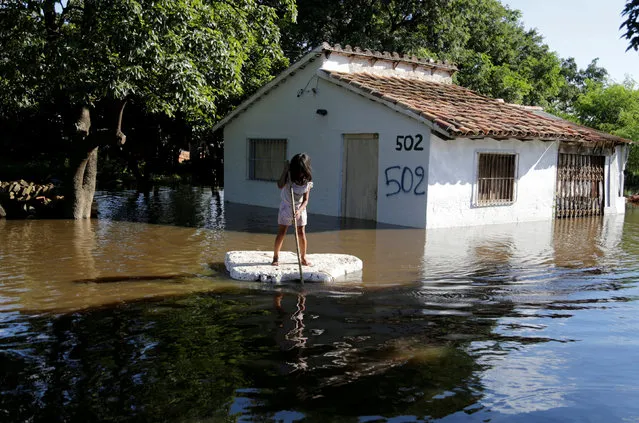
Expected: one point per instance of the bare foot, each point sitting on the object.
(275, 262)
(306, 262)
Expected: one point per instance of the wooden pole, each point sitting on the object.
(297, 241)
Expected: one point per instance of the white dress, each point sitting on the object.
(285, 215)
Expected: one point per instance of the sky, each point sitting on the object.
(583, 29)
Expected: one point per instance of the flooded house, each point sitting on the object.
(393, 140)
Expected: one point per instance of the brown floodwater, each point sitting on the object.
(67, 265)
(127, 254)
(132, 317)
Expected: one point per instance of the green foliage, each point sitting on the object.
(613, 109)
(495, 54)
(515, 65)
(606, 107)
(185, 61)
(171, 56)
(631, 24)
(574, 84)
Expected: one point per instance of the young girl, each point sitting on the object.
(302, 181)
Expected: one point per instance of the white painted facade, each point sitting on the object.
(452, 187)
(614, 201)
(282, 114)
(433, 187)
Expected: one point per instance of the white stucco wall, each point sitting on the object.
(442, 197)
(282, 114)
(615, 202)
(452, 179)
(340, 63)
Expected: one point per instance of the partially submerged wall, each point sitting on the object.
(22, 199)
(452, 182)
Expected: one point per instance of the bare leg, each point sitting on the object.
(301, 232)
(279, 240)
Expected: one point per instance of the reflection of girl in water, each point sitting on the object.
(290, 332)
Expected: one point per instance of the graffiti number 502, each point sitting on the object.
(406, 182)
(408, 143)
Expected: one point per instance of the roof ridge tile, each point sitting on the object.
(428, 61)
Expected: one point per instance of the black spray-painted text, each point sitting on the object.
(404, 179)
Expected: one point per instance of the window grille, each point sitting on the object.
(496, 179)
(266, 158)
(580, 185)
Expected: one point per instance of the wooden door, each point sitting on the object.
(580, 185)
(359, 189)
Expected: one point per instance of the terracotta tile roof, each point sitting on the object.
(460, 112)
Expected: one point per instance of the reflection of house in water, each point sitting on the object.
(587, 242)
(393, 140)
(521, 249)
(483, 250)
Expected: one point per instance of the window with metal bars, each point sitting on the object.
(496, 179)
(266, 158)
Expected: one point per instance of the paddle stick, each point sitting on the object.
(297, 240)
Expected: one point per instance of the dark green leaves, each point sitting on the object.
(186, 56)
(495, 54)
(631, 24)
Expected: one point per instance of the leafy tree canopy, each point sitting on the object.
(171, 56)
(495, 54)
(613, 109)
(575, 83)
(82, 61)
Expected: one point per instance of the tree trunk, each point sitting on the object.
(84, 181)
(84, 161)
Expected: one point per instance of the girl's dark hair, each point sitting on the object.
(301, 171)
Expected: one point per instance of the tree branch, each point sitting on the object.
(50, 21)
(121, 138)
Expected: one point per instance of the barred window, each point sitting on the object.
(496, 179)
(266, 158)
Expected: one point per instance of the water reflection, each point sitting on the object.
(290, 332)
(523, 251)
(124, 318)
(183, 206)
